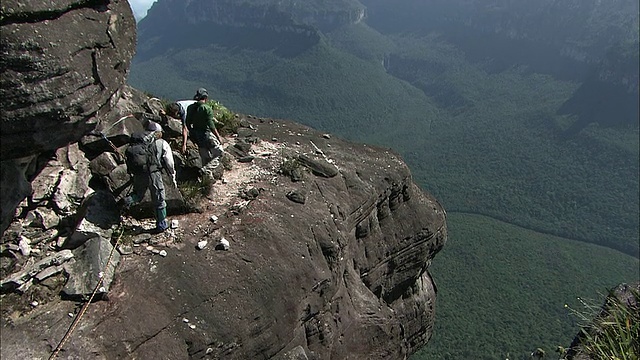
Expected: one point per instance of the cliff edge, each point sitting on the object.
(337, 271)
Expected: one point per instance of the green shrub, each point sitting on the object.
(225, 116)
(289, 166)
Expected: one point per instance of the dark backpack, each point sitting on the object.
(141, 155)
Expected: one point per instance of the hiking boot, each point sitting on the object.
(161, 220)
(162, 226)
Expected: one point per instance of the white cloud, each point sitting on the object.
(140, 7)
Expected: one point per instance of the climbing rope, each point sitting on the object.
(86, 305)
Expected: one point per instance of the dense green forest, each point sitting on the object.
(483, 126)
(502, 289)
(504, 134)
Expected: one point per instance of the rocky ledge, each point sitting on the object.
(328, 245)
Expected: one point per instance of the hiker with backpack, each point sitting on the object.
(145, 157)
(201, 126)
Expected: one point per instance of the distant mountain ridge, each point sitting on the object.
(282, 15)
(575, 40)
(588, 41)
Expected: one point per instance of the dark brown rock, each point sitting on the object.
(298, 281)
(318, 166)
(61, 64)
(297, 196)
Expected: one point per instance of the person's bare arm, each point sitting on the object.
(215, 131)
(184, 138)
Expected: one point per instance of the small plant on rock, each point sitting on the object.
(614, 331)
(289, 166)
(225, 116)
(226, 160)
(193, 191)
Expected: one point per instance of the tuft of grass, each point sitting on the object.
(614, 332)
(289, 166)
(226, 117)
(193, 191)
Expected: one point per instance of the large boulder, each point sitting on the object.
(94, 260)
(98, 216)
(62, 66)
(73, 183)
(15, 187)
(173, 197)
(62, 63)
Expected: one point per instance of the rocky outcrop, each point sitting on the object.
(342, 274)
(329, 260)
(61, 65)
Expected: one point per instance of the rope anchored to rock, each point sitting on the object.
(75, 322)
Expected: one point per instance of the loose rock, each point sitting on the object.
(201, 244)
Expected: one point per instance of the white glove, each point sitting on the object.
(173, 178)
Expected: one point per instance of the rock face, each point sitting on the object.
(343, 274)
(327, 260)
(61, 65)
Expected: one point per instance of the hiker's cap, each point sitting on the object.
(201, 94)
(154, 126)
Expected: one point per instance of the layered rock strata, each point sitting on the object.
(343, 274)
(62, 63)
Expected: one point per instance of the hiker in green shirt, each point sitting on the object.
(201, 125)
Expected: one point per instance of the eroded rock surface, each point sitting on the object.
(342, 275)
(62, 63)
